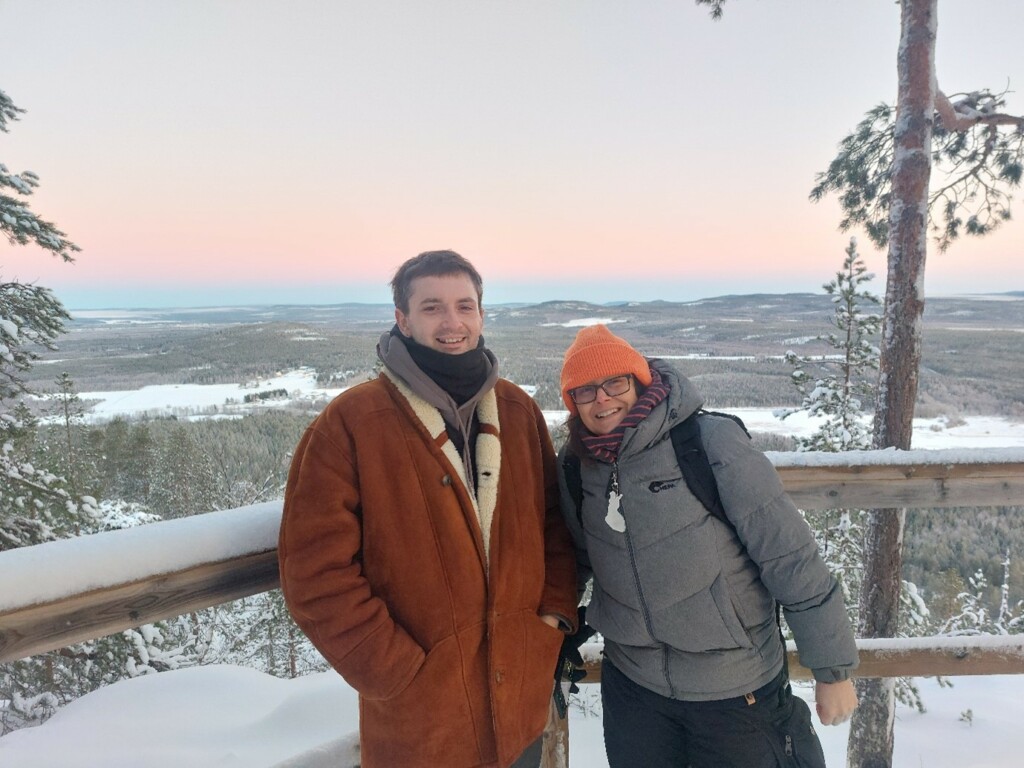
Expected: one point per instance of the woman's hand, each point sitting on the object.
(835, 702)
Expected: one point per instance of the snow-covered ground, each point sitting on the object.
(203, 400)
(222, 716)
(200, 400)
(230, 716)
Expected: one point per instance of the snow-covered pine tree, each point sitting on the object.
(835, 388)
(63, 449)
(883, 177)
(183, 482)
(34, 504)
(17, 221)
(258, 632)
(71, 448)
(977, 160)
(972, 615)
(1009, 620)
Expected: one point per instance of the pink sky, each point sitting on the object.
(219, 151)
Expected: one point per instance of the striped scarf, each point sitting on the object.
(606, 447)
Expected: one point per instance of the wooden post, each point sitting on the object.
(555, 753)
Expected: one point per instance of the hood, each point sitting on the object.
(683, 399)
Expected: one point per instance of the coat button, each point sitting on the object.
(499, 676)
(446, 480)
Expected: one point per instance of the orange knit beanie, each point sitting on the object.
(597, 353)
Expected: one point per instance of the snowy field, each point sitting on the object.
(223, 716)
(203, 400)
(226, 400)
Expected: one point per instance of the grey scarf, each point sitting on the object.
(458, 418)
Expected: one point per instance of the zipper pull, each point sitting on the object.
(614, 518)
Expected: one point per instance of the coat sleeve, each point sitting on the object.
(319, 553)
(559, 597)
(780, 543)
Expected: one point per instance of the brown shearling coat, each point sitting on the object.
(385, 566)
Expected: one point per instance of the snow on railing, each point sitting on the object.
(73, 590)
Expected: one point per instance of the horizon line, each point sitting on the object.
(611, 303)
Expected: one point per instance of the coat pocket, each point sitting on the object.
(792, 735)
(704, 621)
(800, 741)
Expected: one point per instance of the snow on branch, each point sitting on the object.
(971, 109)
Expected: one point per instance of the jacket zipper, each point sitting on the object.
(614, 488)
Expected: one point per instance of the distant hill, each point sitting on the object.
(732, 345)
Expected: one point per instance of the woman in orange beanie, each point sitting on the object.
(685, 594)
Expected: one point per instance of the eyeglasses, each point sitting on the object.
(613, 387)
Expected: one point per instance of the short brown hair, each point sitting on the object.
(432, 264)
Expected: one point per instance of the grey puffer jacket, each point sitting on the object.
(685, 603)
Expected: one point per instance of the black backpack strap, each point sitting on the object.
(695, 466)
(574, 481)
(700, 478)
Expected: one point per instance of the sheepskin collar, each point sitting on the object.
(487, 454)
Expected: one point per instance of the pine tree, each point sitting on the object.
(32, 501)
(142, 450)
(65, 446)
(37, 503)
(977, 159)
(883, 177)
(17, 221)
(835, 388)
(183, 483)
(972, 615)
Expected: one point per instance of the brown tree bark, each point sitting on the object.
(871, 730)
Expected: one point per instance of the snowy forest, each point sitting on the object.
(933, 167)
(79, 470)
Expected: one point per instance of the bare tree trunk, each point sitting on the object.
(871, 731)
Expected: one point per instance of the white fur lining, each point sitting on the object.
(488, 452)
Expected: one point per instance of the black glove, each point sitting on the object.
(570, 662)
(572, 643)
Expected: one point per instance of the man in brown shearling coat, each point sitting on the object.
(422, 549)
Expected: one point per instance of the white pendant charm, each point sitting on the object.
(614, 517)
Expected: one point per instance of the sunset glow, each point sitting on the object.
(267, 152)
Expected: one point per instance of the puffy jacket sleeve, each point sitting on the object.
(321, 574)
(781, 544)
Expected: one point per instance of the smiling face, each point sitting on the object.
(444, 313)
(604, 412)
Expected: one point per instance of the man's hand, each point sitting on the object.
(551, 620)
(835, 702)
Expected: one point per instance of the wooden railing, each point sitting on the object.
(35, 619)
(30, 624)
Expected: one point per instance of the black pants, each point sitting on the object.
(643, 728)
(531, 755)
